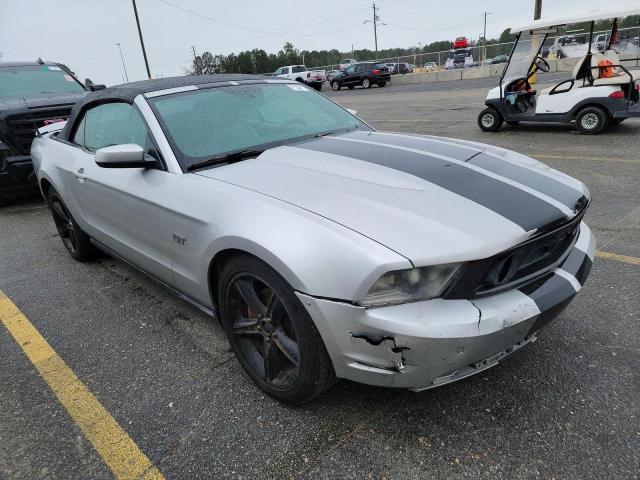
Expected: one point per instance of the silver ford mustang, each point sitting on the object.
(328, 250)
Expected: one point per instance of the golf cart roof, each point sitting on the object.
(618, 11)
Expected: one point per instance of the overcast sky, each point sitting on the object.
(83, 33)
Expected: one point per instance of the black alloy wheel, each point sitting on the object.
(73, 238)
(271, 332)
(335, 85)
(263, 330)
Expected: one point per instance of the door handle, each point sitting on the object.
(79, 174)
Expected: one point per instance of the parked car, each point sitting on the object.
(299, 73)
(430, 66)
(499, 59)
(330, 74)
(460, 58)
(364, 73)
(347, 62)
(32, 94)
(461, 42)
(328, 250)
(403, 68)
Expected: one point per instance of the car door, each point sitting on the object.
(349, 75)
(122, 207)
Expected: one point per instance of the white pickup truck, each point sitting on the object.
(299, 73)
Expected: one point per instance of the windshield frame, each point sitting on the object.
(541, 43)
(185, 166)
(83, 87)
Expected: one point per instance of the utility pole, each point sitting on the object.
(537, 13)
(144, 52)
(123, 65)
(375, 28)
(193, 47)
(484, 38)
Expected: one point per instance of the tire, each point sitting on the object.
(73, 238)
(591, 120)
(382, 84)
(335, 86)
(366, 83)
(490, 120)
(350, 87)
(271, 332)
(317, 86)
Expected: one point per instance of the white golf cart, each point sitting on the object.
(601, 90)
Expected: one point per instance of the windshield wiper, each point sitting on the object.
(227, 158)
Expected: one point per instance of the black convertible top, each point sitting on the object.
(127, 92)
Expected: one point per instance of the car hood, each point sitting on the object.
(40, 100)
(430, 199)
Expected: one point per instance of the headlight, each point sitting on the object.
(402, 286)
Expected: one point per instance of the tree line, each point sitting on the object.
(258, 61)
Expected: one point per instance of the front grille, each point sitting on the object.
(517, 266)
(22, 127)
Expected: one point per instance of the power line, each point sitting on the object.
(250, 29)
(435, 29)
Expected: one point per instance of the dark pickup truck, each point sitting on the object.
(32, 95)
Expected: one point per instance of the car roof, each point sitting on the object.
(27, 64)
(127, 92)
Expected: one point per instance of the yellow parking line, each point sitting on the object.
(618, 258)
(112, 443)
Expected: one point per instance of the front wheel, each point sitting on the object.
(366, 83)
(73, 238)
(591, 120)
(335, 86)
(490, 120)
(271, 332)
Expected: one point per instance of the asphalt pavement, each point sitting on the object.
(565, 408)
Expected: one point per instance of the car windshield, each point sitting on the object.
(208, 123)
(33, 79)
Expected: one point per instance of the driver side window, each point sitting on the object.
(111, 124)
(351, 69)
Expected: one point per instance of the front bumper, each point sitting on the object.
(426, 344)
(16, 175)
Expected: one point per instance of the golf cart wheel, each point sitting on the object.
(350, 87)
(591, 120)
(382, 84)
(73, 238)
(271, 332)
(335, 86)
(366, 83)
(489, 120)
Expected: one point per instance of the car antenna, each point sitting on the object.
(33, 120)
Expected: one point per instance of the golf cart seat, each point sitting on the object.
(575, 75)
(619, 78)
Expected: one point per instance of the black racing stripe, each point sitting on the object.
(555, 189)
(522, 208)
(584, 270)
(428, 145)
(551, 293)
(574, 261)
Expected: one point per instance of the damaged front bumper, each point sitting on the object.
(426, 344)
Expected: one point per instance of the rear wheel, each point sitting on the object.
(335, 86)
(490, 120)
(272, 333)
(591, 120)
(74, 239)
(366, 83)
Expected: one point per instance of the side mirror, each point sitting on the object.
(128, 155)
(352, 111)
(95, 88)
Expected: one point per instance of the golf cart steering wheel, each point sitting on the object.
(542, 65)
